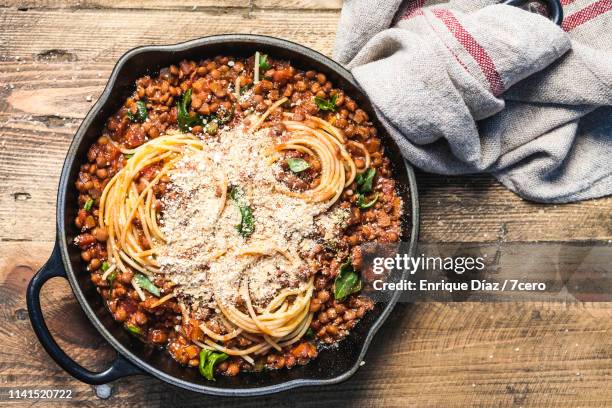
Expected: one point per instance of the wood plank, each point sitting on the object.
(427, 355)
(26, 5)
(34, 34)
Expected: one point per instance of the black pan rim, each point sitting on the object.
(62, 239)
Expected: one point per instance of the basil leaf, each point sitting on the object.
(182, 111)
(246, 87)
(111, 278)
(184, 120)
(236, 193)
(208, 360)
(141, 111)
(88, 204)
(363, 205)
(211, 122)
(263, 62)
(297, 165)
(133, 329)
(365, 179)
(347, 281)
(326, 105)
(144, 282)
(247, 223)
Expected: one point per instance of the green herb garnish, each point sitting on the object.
(133, 329)
(263, 62)
(309, 333)
(144, 282)
(184, 120)
(365, 179)
(105, 266)
(208, 360)
(347, 281)
(326, 105)
(297, 165)
(111, 278)
(247, 223)
(361, 203)
(246, 87)
(128, 156)
(141, 112)
(88, 204)
(236, 193)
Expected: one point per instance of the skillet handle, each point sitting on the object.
(55, 268)
(554, 8)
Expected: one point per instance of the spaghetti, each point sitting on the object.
(128, 212)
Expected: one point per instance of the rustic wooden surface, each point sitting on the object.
(55, 58)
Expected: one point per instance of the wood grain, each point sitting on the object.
(25, 5)
(55, 57)
(427, 355)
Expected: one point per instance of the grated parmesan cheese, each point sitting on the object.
(202, 250)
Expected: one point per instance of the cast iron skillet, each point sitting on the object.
(331, 366)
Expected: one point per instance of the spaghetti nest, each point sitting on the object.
(319, 139)
(130, 212)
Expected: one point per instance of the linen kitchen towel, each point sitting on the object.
(472, 86)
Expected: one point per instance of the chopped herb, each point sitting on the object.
(88, 205)
(347, 281)
(128, 156)
(247, 223)
(111, 278)
(236, 193)
(144, 282)
(363, 205)
(141, 112)
(297, 165)
(263, 62)
(105, 266)
(326, 105)
(184, 120)
(133, 329)
(365, 179)
(208, 360)
(309, 333)
(245, 88)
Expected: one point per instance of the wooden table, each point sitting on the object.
(55, 58)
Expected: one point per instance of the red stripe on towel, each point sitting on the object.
(567, 2)
(474, 48)
(588, 13)
(414, 9)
